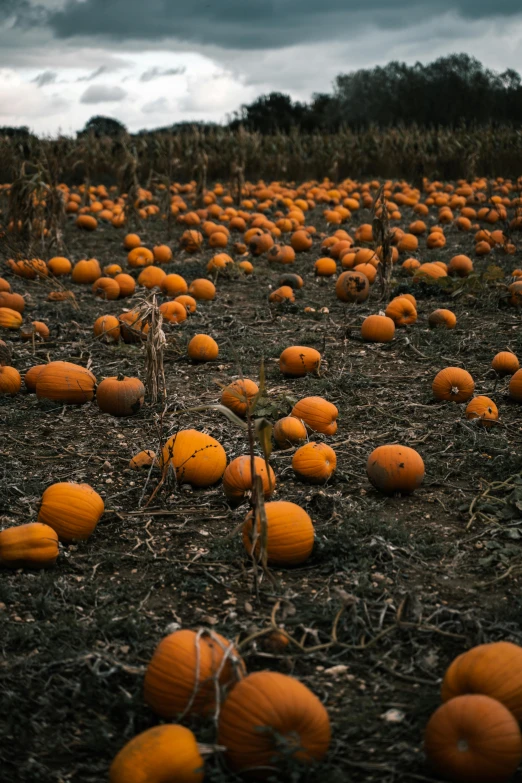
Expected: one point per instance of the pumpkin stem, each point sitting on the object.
(120, 377)
(455, 390)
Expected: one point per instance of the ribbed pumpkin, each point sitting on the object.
(239, 395)
(453, 383)
(352, 287)
(505, 363)
(268, 718)
(289, 431)
(298, 360)
(159, 755)
(65, 382)
(106, 288)
(120, 396)
(31, 376)
(86, 271)
(197, 458)
(493, 669)
(181, 676)
(314, 462)
(174, 285)
(290, 534)
(173, 312)
(378, 329)
(237, 478)
(34, 329)
(482, 408)
(443, 318)
(73, 510)
(151, 277)
(107, 328)
(4, 285)
(203, 348)
(10, 380)
(394, 468)
(473, 739)
(143, 459)
(401, 311)
(13, 301)
(429, 270)
(140, 256)
(318, 414)
(34, 545)
(10, 319)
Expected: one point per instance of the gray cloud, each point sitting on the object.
(242, 24)
(160, 104)
(156, 73)
(46, 77)
(100, 93)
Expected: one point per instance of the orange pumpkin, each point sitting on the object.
(140, 256)
(505, 363)
(203, 348)
(5, 285)
(126, 283)
(325, 267)
(65, 382)
(515, 294)
(453, 383)
(197, 458)
(239, 395)
(289, 534)
(162, 254)
(10, 380)
(282, 294)
(107, 328)
(173, 312)
(482, 408)
(314, 462)
(86, 271)
(143, 459)
(151, 277)
(352, 287)
(188, 302)
(59, 266)
(31, 376)
(184, 670)
(174, 285)
(13, 301)
(73, 510)
(443, 318)
(270, 717)
(289, 431)
(130, 241)
(106, 288)
(401, 311)
(87, 222)
(473, 739)
(394, 468)
(202, 289)
(34, 545)
(318, 414)
(237, 478)
(460, 265)
(301, 241)
(10, 319)
(120, 396)
(168, 752)
(297, 361)
(378, 329)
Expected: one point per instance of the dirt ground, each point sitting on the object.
(419, 579)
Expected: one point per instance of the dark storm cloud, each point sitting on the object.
(155, 73)
(46, 77)
(257, 24)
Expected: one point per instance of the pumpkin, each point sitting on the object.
(163, 753)
(173, 285)
(188, 302)
(289, 431)
(301, 241)
(5, 285)
(294, 281)
(65, 382)
(282, 294)
(87, 222)
(162, 254)
(34, 545)
(314, 462)
(31, 376)
(106, 288)
(203, 348)
(59, 266)
(237, 478)
(120, 396)
(460, 265)
(430, 271)
(401, 311)
(140, 256)
(132, 328)
(34, 329)
(10, 319)
(325, 267)
(454, 384)
(202, 289)
(297, 361)
(378, 329)
(443, 318)
(29, 268)
(126, 283)
(408, 242)
(281, 254)
(151, 277)
(482, 408)
(5, 353)
(268, 718)
(86, 271)
(10, 380)
(197, 458)
(473, 739)
(246, 267)
(13, 301)
(73, 510)
(239, 395)
(191, 241)
(173, 312)
(318, 414)
(143, 459)
(111, 270)
(394, 468)
(505, 363)
(410, 265)
(183, 672)
(289, 534)
(107, 328)
(515, 294)
(261, 244)
(352, 287)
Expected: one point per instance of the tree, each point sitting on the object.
(103, 126)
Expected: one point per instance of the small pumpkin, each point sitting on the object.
(86, 271)
(5, 285)
(162, 254)
(33, 330)
(188, 302)
(65, 382)
(182, 673)
(10, 319)
(73, 510)
(174, 285)
(202, 289)
(282, 294)
(120, 396)
(378, 329)
(318, 414)
(202, 348)
(34, 545)
(237, 478)
(460, 265)
(289, 431)
(314, 462)
(473, 739)
(453, 383)
(294, 281)
(196, 458)
(239, 395)
(505, 363)
(10, 380)
(13, 301)
(352, 287)
(442, 317)
(325, 267)
(143, 459)
(289, 534)
(140, 256)
(482, 408)
(515, 294)
(393, 468)
(107, 328)
(297, 361)
(106, 288)
(126, 283)
(401, 311)
(151, 277)
(133, 329)
(173, 312)
(59, 266)
(270, 717)
(162, 753)
(86, 222)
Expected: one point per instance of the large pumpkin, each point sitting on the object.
(158, 755)
(505, 363)
(197, 458)
(34, 545)
(378, 329)
(270, 717)
(352, 287)
(453, 383)
(473, 739)
(314, 462)
(289, 534)
(297, 360)
(65, 382)
(120, 396)
(73, 510)
(237, 478)
(318, 414)
(493, 669)
(394, 468)
(182, 674)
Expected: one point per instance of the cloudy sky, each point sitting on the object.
(153, 62)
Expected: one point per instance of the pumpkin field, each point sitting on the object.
(261, 480)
